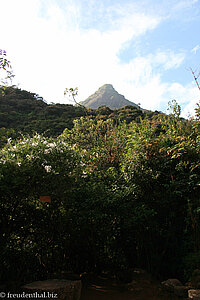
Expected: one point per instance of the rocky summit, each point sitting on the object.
(108, 96)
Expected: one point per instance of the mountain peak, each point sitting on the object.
(108, 96)
(107, 86)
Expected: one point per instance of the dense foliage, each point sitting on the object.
(123, 194)
(25, 112)
(34, 234)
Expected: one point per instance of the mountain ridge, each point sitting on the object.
(23, 112)
(106, 95)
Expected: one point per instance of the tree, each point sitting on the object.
(6, 67)
(73, 92)
(34, 235)
(196, 77)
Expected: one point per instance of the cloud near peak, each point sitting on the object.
(53, 45)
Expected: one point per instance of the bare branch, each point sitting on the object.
(195, 77)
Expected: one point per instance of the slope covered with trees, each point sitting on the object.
(25, 112)
(122, 187)
(122, 196)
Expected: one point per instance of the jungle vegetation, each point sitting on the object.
(124, 191)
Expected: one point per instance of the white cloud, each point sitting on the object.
(141, 79)
(50, 51)
(187, 96)
(169, 59)
(195, 49)
(183, 4)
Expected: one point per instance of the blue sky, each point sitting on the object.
(143, 47)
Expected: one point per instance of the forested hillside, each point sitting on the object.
(120, 196)
(96, 191)
(25, 112)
